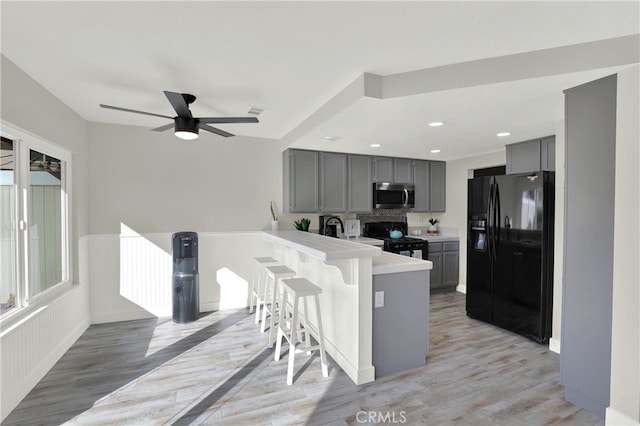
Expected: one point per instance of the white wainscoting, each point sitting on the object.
(130, 273)
(30, 347)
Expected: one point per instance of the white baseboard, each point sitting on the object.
(461, 289)
(210, 307)
(554, 345)
(616, 418)
(117, 316)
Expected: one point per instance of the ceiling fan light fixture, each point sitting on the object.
(186, 128)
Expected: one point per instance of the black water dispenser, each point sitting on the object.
(186, 307)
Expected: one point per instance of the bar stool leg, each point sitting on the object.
(292, 342)
(272, 322)
(307, 335)
(270, 280)
(323, 356)
(281, 318)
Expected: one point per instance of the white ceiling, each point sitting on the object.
(293, 58)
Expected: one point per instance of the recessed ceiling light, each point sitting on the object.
(330, 138)
(436, 124)
(255, 111)
(503, 134)
(434, 151)
(375, 145)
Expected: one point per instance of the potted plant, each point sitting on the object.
(274, 218)
(302, 224)
(433, 225)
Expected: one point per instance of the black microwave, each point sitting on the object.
(393, 195)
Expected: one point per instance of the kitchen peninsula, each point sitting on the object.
(346, 272)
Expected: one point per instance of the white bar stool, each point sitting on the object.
(299, 288)
(258, 283)
(274, 274)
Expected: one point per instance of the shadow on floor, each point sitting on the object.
(97, 367)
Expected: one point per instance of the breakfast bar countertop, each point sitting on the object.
(391, 263)
(322, 247)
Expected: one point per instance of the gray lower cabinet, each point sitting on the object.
(359, 191)
(400, 329)
(333, 182)
(300, 181)
(437, 186)
(422, 181)
(383, 169)
(531, 156)
(587, 293)
(402, 170)
(445, 273)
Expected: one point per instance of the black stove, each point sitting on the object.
(403, 245)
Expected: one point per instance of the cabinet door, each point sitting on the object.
(402, 170)
(421, 181)
(548, 154)
(523, 157)
(437, 186)
(383, 169)
(436, 273)
(450, 263)
(301, 181)
(333, 182)
(360, 191)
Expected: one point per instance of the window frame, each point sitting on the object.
(24, 142)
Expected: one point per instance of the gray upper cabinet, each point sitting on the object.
(523, 157)
(300, 181)
(383, 169)
(531, 156)
(548, 154)
(437, 186)
(360, 193)
(402, 170)
(333, 182)
(421, 180)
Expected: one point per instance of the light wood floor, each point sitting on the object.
(218, 371)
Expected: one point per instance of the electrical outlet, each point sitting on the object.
(379, 303)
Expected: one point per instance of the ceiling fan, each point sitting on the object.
(185, 125)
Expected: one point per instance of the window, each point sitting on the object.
(8, 279)
(34, 240)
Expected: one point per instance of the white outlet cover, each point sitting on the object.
(379, 302)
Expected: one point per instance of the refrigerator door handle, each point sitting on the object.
(496, 223)
(489, 223)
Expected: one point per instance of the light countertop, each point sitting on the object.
(437, 238)
(391, 263)
(365, 240)
(446, 234)
(322, 247)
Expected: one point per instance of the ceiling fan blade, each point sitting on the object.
(179, 103)
(134, 110)
(220, 120)
(216, 131)
(163, 128)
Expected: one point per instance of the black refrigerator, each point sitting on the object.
(510, 252)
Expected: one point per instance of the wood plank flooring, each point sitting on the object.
(217, 371)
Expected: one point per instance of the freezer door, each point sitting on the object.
(478, 303)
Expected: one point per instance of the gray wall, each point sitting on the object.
(155, 182)
(585, 366)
